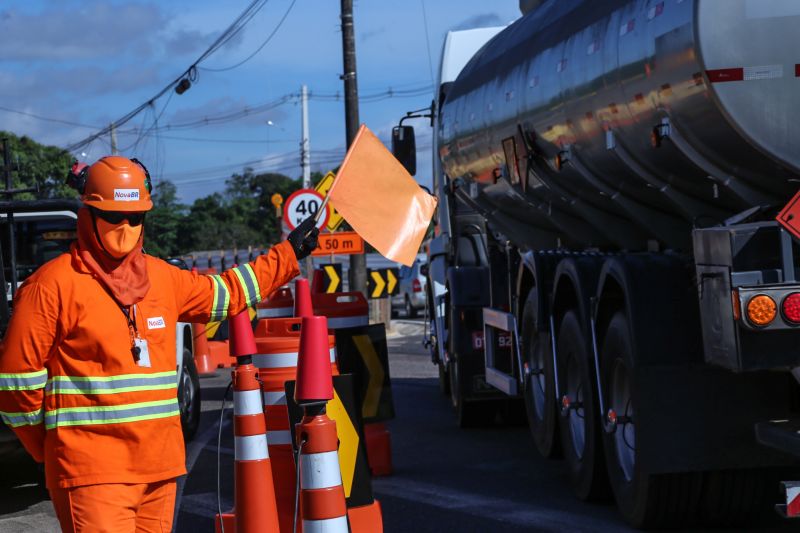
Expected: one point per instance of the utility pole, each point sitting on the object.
(305, 161)
(305, 145)
(358, 262)
(114, 150)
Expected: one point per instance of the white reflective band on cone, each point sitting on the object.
(347, 321)
(247, 402)
(331, 525)
(275, 312)
(274, 398)
(281, 360)
(279, 437)
(320, 470)
(250, 448)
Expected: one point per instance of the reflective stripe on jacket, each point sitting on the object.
(69, 385)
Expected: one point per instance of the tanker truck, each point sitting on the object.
(606, 250)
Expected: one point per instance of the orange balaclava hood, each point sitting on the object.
(124, 277)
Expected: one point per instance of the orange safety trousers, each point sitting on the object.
(116, 507)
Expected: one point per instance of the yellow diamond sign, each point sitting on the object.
(323, 187)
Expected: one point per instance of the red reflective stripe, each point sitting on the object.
(725, 74)
(797, 71)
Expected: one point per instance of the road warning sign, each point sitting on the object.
(382, 282)
(342, 243)
(323, 187)
(343, 409)
(331, 277)
(362, 351)
(302, 204)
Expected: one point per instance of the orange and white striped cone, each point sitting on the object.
(322, 499)
(254, 493)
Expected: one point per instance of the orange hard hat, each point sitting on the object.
(116, 183)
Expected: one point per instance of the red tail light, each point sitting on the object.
(416, 286)
(791, 308)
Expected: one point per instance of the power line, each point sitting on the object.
(190, 72)
(257, 50)
(47, 119)
(427, 39)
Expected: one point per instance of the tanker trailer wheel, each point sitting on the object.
(645, 500)
(540, 400)
(578, 420)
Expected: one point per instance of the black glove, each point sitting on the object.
(303, 238)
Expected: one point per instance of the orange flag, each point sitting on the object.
(380, 199)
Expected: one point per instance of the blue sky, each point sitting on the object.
(90, 62)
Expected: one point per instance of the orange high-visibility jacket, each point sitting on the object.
(69, 385)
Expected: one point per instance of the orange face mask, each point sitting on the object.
(118, 239)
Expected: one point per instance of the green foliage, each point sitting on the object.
(241, 216)
(161, 224)
(40, 166)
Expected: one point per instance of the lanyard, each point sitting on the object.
(134, 331)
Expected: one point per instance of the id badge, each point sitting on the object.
(144, 352)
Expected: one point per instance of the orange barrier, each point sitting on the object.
(255, 506)
(366, 518)
(343, 309)
(278, 345)
(379, 448)
(280, 304)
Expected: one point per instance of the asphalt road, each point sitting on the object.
(445, 478)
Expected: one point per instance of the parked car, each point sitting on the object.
(411, 295)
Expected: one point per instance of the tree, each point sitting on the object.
(161, 223)
(40, 166)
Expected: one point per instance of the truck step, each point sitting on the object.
(495, 319)
(783, 435)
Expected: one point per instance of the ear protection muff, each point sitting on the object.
(79, 172)
(76, 177)
(148, 184)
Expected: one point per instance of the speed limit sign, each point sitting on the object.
(302, 204)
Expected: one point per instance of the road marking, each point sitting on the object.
(495, 509)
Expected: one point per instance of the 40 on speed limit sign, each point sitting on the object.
(302, 204)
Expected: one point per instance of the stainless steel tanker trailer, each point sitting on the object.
(607, 251)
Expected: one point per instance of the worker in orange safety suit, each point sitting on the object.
(87, 367)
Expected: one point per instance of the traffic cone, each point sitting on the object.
(302, 298)
(200, 349)
(254, 494)
(317, 282)
(322, 498)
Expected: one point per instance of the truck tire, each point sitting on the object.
(469, 413)
(580, 426)
(644, 500)
(189, 396)
(734, 498)
(444, 379)
(539, 398)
